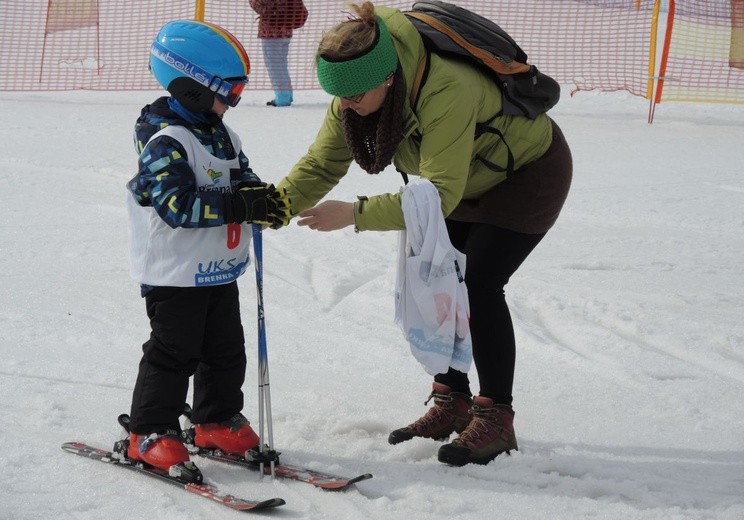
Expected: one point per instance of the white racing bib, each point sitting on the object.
(189, 257)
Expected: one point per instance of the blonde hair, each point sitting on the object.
(351, 37)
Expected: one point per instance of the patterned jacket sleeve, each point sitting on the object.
(246, 173)
(166, 182)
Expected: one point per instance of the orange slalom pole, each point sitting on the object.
(199, 10)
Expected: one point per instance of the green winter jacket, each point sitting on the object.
(439, 138)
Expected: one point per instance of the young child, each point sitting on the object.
(190, 207)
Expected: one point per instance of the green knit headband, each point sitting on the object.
(361, 73)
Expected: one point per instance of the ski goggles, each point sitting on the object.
(228, 90)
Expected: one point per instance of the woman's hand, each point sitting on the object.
(328, 216)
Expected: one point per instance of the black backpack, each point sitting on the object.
(452, 31)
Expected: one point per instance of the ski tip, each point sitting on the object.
(366, 476)
(237, 504)
(272, 502)
(73, 446)
(343, 486)
(246, 506)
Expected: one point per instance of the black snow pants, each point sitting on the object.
(196, 331)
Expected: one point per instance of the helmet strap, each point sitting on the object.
(194, 96)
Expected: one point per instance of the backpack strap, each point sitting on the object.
(485, 127)
(497, 65)
(422, 73)
(404, 175)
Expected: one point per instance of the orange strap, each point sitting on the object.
(514, 67)
(418, 78)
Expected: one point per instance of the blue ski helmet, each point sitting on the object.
(196, 61)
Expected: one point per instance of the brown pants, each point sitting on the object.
(530, 200)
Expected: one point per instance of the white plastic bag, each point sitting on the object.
(431, 300)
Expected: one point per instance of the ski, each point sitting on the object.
(203, 490)
(258, 459)
(318, 479)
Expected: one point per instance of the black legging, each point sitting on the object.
(493, 255)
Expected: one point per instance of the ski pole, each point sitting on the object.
(264, 394)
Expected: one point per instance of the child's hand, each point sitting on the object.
(261, 203)
(279, 208)
(251, 203)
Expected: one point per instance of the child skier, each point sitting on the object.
(190, 208)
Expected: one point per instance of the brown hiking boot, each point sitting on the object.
(490, 432)
(450, 413)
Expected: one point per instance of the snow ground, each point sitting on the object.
(630, 369)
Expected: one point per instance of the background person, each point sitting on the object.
(277, 20)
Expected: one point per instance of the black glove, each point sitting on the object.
(251, 203)
(279, 212)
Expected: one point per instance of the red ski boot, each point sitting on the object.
(232, 436)
(165, 452)
(450, 413)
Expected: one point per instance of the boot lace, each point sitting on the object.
(442, 408)
(483, 422)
